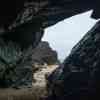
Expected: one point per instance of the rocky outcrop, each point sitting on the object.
(15, 65)
(79, 76)
(47, 10)
(43, 53)
(22, 23)
(29, 18)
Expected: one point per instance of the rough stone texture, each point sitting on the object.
(79, 76)
(43, 53)
(15, 65)
(23, 21)
(48, 10)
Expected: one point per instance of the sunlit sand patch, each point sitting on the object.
(40, 75)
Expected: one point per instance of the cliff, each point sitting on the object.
(43, 53)
(79, 76)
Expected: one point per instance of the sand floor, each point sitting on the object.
(35, 93)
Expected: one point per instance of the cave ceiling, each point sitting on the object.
(48, 12)
(26, 20)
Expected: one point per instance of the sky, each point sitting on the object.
(65, 34)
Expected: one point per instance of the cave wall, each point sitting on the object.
(24, 21)
(79, 76)
(47, 9)
(31, 17)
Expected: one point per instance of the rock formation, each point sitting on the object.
(78, 77)
(45, 10)
(15, 65)
(43, 53)
(22, 25)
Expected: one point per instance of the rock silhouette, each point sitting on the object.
(43, 53)
(22, 25)
(78, 77)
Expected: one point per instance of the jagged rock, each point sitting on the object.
(79, 78)
(29, 18)
(48, 10)
(23, 21)
(43, 53)
(15, 65)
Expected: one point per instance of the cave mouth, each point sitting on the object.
(65, 34)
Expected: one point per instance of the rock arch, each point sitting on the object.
(24, 25)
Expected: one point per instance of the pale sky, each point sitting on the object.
(65, 34)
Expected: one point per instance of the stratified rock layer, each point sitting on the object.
(79, 76)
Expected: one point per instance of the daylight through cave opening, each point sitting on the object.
(67, 33)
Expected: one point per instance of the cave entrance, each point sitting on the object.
(65, 34)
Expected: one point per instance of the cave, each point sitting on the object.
(22, 26)
(64, 41)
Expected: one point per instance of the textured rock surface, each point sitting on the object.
(79, 77)
(15, 65)
(23, 22)
(43, 53)
(48, 10)
(28, 18)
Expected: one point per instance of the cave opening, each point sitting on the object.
(65, 34)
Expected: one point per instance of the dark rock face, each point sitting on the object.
(28, 18)
(23, 23)
(15, 13)
(15, 65)
(43, 53)
(79, 78)
(47, 9)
